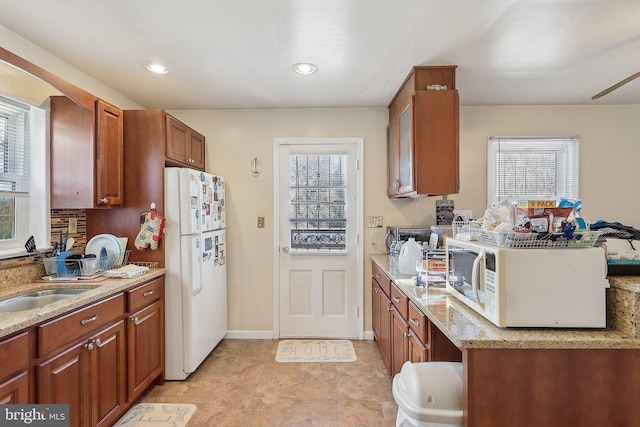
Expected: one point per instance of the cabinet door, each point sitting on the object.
(375, 310)
(109, 155)
(385, 329)
(393, 159)
(146, 347)
(196, 150)
(14, 369)
(177, 143)
(405, 152)
(65, 379)
(399, 345)
(108, 375)
(418, 352)
(15, 389)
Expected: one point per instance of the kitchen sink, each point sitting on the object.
(38, 299)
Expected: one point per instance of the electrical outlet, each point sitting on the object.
(73, 225)
(260, 222)
(374, 222)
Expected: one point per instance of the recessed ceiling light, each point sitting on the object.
(157, 68)
(304, 68)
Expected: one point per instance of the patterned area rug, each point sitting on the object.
(315, 351)
(157, 415)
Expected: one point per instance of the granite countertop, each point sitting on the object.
(16, 321)
(467, 329)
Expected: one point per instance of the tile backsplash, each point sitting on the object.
(26, 269)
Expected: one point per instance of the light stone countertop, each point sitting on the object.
(16, 321)
(467, 329)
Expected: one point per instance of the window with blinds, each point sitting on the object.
(538, 168)
(14, 166)
(317, 202)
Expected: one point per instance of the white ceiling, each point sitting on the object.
(238, 53)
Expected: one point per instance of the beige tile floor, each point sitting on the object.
(241, 384)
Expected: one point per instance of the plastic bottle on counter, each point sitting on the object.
(410, 254)
(392, 253)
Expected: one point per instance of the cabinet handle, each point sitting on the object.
(146, 294)
(415, 323)
(89, 320)
(136, 321)
(104, 201)
(395, 299)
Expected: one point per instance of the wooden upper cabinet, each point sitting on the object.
(109, 156)
(423, 135)
(183, 144)
(86, 155)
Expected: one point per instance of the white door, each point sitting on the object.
(319, 284)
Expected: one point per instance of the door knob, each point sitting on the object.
(285, 249)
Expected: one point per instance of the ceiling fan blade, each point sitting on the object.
(616, 86)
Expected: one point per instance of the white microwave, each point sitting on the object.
(559, 288)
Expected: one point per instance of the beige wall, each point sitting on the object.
(609, 156)
(609, 151)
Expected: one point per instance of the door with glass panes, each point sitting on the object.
(317, 187)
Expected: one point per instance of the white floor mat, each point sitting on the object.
(157, 415)
(315, 351)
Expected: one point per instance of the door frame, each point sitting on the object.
(359, 143)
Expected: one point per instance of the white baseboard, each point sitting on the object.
(268, 335)
(249, 335)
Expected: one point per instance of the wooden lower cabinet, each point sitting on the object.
(14, 369)
(89, 376)
(403, 333)
(146, 347)
(418, 351)
(399, 342)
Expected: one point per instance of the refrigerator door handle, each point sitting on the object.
(196, 285)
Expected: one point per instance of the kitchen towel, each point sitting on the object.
(157, 415)
(315, 351)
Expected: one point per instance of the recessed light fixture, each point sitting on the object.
(304, 68)
(157, 68)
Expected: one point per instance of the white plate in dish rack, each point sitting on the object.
(107, 241)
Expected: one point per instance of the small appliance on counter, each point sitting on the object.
(403, 233)
(514, 287)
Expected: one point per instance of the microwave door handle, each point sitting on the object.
(474, 275)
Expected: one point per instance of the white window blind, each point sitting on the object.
(14, 148)
(521, 168)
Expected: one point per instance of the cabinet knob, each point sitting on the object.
(377, 276)
(136, 321)
(395, 299)
(98, 342)
(104, 201)
(89, 346)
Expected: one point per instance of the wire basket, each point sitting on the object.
(86, 266)
(144, 264)
(472, 230)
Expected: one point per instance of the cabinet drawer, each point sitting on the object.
(77, 324)
(145, 294)
(418, 322)
(381, 278)
(14, 354)
(399, 300)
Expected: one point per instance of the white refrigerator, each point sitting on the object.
(196, 278)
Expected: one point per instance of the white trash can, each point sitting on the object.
(429, 394)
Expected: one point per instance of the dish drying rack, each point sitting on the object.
(472, 230)
(90, 267)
